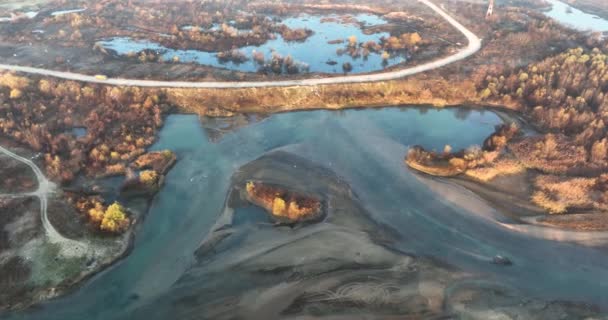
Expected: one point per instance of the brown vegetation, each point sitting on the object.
(565, 97)
(147, 183)
(415, 90)
(551, 154)
(159, 161)
(501, 167)
(120, 123)
(450, 163)
(111, 219)
(558, 194)
(283, 205)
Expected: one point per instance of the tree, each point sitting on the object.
(347, 67)
(385, 56)
(16, 94)
(148, 177)
(415, 38)
(96, 214)
(278, 206)
(549, 146)
(115, 219)
(599, 151)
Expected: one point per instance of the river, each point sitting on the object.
(366, 149)
(576, 18)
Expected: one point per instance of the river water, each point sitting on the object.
(576, 18)
(366, 149)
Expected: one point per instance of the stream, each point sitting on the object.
(365, 148)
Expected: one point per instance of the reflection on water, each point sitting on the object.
(62, 12)
(29, 15)
(573, 17)
(314, 52)
(363, 149)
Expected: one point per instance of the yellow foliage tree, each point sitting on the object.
(13, 81)
(250, 186)
(149, 177)
(16, 94)
(115, 219)
(415, 38)
(352, 40)
(45, 86)
(385, 55)
(278, 206)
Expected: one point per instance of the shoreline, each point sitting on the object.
(510, 205)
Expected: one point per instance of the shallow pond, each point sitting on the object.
(314, 52)
(575, 18)
(366, 149)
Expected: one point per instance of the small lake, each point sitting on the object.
(575, 18)
(315, 52)
(366, 149)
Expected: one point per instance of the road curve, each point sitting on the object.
(473, 46)
(44, 188)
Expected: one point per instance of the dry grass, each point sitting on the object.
(501, 167)
(414, 91)
(559, 194)
(557, 155)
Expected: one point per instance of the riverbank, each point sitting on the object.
(597, 7)
(420, 90)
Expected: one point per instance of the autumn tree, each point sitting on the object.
(599, 151)
(115, 219)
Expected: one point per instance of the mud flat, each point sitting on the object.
(338, 267)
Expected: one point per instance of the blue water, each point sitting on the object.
(314, 52)
(62, 12)
(366, 148)
(575, 18)
(194, 192)
(79, 132)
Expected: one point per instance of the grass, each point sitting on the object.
(413, 91)
(502, 167)
(558, 194)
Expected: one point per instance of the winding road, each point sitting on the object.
(474, 44)
(45, 187)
